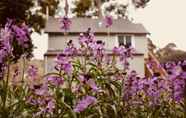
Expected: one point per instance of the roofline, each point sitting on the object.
(99, 33)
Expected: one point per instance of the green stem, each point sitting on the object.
(22, 78)
(6, 87)
(185, 101)
(24, 63)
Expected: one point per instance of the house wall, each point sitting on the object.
(141, 44)
(137, 63)
(58, 42)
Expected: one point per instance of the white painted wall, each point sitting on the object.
(138, 64)
(141, 44)
(50, 64)
(59, 42)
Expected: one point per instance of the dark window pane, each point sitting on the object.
(121, 40)
(128, 41)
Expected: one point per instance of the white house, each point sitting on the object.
(121, 32)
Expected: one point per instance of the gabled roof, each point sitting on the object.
(80, 25)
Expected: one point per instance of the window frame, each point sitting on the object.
(125, 40)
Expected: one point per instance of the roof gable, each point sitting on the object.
(80, 25)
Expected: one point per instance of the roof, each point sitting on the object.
(79, 25)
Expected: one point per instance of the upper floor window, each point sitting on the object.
(125, 40)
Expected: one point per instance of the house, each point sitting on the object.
(121, 32)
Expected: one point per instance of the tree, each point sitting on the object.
(114, 8)
(81, 7)
(140, 3)
(30, 11)
(95, 7)
(165, 51)
(151, 46)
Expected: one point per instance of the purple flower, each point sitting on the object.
(15, 76)
(9, 35)
(50, 106)
(65, 23)
(183, 75)
(92, 84)
(83, 40)
(70, 50)
(5, 48)
(108, 21)
(84, 103)
(124, 54)
(67, 67)
(32, 71)
(131, 86)
(97, 49)
(64, 64)
(86, 79)
(76, 88)
(45, 105)
(21, 35)
(56, 81)
(81, 78)
(41, 90)
(86, 38)
(41, 98)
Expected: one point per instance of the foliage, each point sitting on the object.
(81, 7)
(176, 55)
(88, 8)
(15, 42)
(27, 10)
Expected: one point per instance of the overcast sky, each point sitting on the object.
(164, 19)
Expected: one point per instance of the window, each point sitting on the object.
(128, 41)
(125, 41)
(121, 40)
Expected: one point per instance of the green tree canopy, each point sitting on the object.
(81, 7)
(33, 12)
(94, 6)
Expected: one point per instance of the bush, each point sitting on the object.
(88, 84)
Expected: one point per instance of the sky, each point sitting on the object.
(164, 19)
